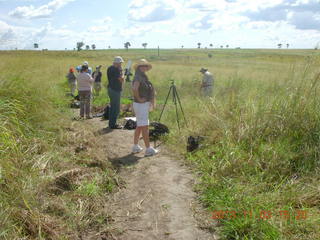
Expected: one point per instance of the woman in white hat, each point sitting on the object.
(144, 98)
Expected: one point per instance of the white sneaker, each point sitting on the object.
(151, 151)
(136, 149)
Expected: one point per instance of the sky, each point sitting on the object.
(60, 24)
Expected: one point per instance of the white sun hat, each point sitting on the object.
(118, 59)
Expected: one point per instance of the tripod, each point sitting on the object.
(176, 101)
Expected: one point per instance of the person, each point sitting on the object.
(85, 82)
(89, 68)
(97, 80)
(78, 68)
(144, 100)
(207, 83)
(72, 80)
(115, 82)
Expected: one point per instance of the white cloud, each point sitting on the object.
(304, 20)
(13, 36)
(207, 5)
(103, 25)
(219, 21)
(105, 20)
(152, 10)
(43, 11)
(133, 32)
(7, 37)
(303, 14)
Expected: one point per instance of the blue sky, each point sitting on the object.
(59, 24)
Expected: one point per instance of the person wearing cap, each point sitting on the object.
(115, 81)
(85, 82)
(207, 83)
(97, 80)
(72, 80)
(89, 68)
(144, 99)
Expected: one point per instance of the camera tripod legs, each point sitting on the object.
(176, 101)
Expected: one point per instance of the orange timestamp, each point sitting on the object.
(262, 214)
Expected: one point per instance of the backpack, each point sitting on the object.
(157, 130)
(194, 143)
(130, 124)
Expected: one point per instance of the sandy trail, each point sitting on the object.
(157, 201)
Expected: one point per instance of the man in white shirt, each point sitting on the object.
(207, 83)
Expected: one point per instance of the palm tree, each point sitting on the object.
(199, 45)
(279, 45)
(144, 45)
(80, 45)
(127, 45)
(93, 46)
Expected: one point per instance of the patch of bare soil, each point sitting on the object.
(157, 200)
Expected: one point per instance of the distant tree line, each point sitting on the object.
(127, 45)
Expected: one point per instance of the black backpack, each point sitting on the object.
(130, 124)
(194, 143)
(157, 130)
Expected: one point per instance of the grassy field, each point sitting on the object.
(259, 160)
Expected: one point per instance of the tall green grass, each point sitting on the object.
(261, 153)
(261, 128)
(34, 147)
(29, 119)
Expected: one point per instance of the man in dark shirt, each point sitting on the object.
(115, 81)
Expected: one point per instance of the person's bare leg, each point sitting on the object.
(137, 133)
(145, 135)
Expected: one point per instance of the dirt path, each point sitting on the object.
(157, 201)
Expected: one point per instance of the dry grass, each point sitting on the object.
(261, 152)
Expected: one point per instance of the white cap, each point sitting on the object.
(85, 63)
(118, 59)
